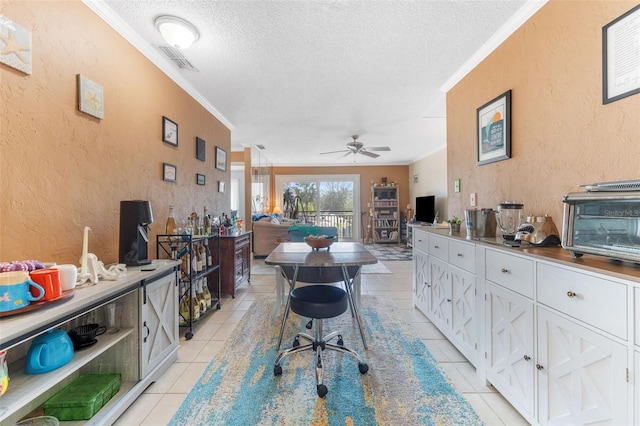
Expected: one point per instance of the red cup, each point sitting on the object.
(49, 279)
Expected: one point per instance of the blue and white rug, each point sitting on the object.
(404, 384)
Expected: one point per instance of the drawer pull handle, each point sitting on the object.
(504, 271)
(527, 358)
(539, 367)
(571, 294)
(448, 300)
(460, 255)
(436, 247)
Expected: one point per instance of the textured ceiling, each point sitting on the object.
(301, 77)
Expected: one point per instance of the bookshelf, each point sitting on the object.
(385, 212)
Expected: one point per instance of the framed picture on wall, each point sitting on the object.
(221, 159)
(200, 149)
(169, 172)
(200, 179)
(169, 131)
(494, 129)
(620, 59)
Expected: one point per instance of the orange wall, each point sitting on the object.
(398, 174)
(61, 170)
(562, 134)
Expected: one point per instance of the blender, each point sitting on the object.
(509, 218)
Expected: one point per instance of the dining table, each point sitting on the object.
(340, 262)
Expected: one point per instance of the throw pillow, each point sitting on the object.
(275, 220)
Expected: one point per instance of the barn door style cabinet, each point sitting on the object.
(142, 349)
(559, 337)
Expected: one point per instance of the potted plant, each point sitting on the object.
(454, 224)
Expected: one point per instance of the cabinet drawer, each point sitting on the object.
(242, 241)
(439, 247)
(596, 301)
(512, 272)
(463, 255)
(421, 241)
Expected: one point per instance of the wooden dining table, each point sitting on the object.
(340, 262)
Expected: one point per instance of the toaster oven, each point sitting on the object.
(602, 222)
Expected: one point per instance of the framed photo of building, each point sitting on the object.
(494, 129)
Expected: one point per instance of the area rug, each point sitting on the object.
(390, 252)
(404, 384)
(259, 268)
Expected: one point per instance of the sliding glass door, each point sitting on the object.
(328, 200)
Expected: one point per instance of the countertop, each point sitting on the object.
(598, 264)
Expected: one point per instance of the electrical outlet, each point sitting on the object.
(472, 199)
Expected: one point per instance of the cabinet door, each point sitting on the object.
(510, 359)
(159, 319)
(637, 386)
(582, 374)
(464, 321)
(421, 286)
(440, 294)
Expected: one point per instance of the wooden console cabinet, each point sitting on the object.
(235, 262)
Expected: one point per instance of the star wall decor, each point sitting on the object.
(15, 45)
(90, 97)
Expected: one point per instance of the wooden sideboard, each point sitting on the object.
(235, 262)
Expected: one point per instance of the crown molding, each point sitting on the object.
(101, 9)
(503, 33)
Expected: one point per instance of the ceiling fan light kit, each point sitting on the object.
(176, 31)
(356, 147)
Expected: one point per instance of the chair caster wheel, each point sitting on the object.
(188, 335)
(363, 367)
(277, 370)
(296, 342)
(322, 391)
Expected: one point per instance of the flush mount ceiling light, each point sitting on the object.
(176, 31)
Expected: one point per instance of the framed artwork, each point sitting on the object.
(200, 179)
(494, 129)
(221, 186)
(620, 59)
(15, 45)
(169, 131)
(90, 97)
(169, 172)
(221, 159)
(200, 149)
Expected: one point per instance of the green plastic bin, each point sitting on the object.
(83, 397)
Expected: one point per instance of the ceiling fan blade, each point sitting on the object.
(379, 148)
(334, 152)
(342, 156)
(368, 154)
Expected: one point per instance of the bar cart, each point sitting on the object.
(200, 256)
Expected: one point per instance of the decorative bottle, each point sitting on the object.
(207, 293)
(206, 222)
(171, 223)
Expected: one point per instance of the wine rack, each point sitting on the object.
(182, 247)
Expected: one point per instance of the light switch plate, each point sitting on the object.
(472, 199)
(456, 185)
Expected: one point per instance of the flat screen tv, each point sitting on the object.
(426, 208)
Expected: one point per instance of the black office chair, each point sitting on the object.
(318, 302)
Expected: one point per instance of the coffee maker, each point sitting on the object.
(135, 217)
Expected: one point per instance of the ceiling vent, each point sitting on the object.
(260, 146)
(177, 57)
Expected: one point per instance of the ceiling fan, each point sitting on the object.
(356, 147)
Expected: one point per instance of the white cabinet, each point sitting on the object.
(637, 383)
(159, 319)
(582, 375)
(445, 292)
(420, 279)
(510, 352)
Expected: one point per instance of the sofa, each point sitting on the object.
(267, 234)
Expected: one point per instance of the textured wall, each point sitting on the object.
(61, 169)
(432, 180)
(562, 134)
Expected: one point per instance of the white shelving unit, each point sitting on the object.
(385, 211)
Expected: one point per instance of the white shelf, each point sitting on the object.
(25, 388)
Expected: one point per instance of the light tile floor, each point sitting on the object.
(160, 401)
